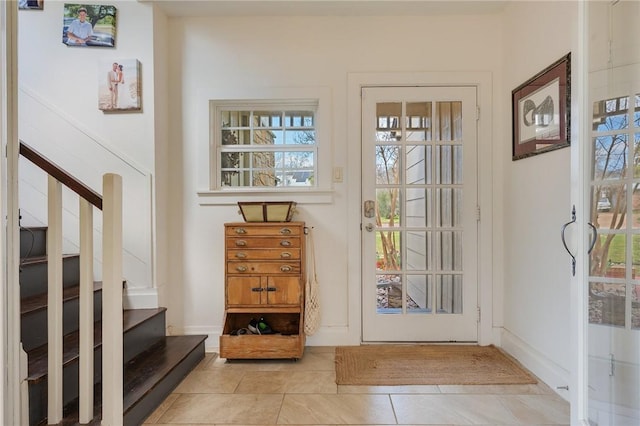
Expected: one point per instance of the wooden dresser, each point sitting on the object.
(264, 278)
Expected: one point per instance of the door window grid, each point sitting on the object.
(614, 286)
(416, 181)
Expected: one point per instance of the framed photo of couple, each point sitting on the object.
(541, 111)
(119, 85)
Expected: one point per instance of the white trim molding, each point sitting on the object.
(543, 367)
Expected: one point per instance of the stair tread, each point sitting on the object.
(144, 372)
(42, 259)
(40, 301)
(147, 369)
(38, 356)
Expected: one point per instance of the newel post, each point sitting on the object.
(112, 342)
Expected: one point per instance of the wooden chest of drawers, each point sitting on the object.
(264, 278)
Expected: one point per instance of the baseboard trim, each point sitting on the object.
(540, 365)
(143, 298)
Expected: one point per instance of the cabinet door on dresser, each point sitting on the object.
(284, 290)
(245, 291)
(254, 290)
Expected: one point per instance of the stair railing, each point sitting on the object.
(112, 341)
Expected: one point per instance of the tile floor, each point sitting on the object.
(304, 392)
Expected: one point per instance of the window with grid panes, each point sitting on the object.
(266, 144)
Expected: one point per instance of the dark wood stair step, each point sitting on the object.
(132, 319)
(150, 377)
(34, 274)
(39, 301)
(33, 322)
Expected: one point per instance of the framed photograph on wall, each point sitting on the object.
(119, 85)
(31, 4)
(541, 111)
(89, 25)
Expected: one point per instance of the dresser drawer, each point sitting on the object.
(284, 229)
(262, 242)
(263, 267)
(264, 254)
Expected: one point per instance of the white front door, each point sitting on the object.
(419, 214)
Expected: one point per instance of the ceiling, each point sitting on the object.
(177, 8)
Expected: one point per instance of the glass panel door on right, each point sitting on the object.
(614, 263)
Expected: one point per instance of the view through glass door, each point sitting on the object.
(614, 262)
(419, 214)
(613, 285)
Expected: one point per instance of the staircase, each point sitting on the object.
(154, 364)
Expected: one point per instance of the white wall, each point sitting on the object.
(59, 116)
(226, 54)
(536, 202)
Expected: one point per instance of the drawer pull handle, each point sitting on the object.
(241, 243)
(241, 268)
(285, 231)
(285, 255)
(241, 255)
(286, 268)
(271, 289)
(285, 243)
(241, 231)
(257, 289)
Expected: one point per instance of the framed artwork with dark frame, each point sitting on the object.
(541, 111)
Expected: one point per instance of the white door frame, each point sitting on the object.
(11, 409)
(489, 292)
(580, 163)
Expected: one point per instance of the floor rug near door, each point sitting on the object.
(384, 365)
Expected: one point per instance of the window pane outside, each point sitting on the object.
(267, 148)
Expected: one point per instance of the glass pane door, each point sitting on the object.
(614, 263)
(419, 172)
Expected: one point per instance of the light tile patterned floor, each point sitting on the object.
(304, 392)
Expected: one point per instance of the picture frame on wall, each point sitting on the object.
(31, 4)
(119, 85)
(541, 119)
(89, 25)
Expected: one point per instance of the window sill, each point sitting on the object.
(233, 196)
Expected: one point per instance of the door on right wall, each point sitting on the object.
(613, 285)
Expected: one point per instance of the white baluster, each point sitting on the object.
(86, 311)
(54, 303)
(112, 345)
